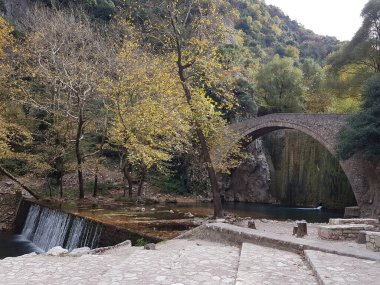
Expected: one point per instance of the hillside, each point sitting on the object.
(268, 31)
(265, 29)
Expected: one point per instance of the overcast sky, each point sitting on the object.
(339, 18)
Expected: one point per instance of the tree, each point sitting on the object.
(317, 100)
(149, 114)
(364, 48)
(67, 56)
(280, 83)
(189, 32)
(13, 137)
(363, 131)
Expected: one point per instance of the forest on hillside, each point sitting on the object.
(150, 86)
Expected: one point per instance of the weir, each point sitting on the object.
(47, 228)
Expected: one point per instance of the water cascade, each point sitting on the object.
(48, 228)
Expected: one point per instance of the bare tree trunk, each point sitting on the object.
(9, 175)
(95, 190)
(61, 185)
(129, 179)
(49, 185)
(217, 202)
(79, 154)
(141, 183)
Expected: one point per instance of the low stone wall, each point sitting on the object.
(373, 241)
(352, 212)
(342, 232)
(373, 222)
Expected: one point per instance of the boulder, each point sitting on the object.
(251, 224)
(57, 250)
(80, 251)
(150, 246)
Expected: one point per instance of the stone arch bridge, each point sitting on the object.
(363, 176)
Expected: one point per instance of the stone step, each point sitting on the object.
(342, 232)
(342, 270)
(263, 265)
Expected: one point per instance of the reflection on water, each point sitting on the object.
(125, 214)
(265, 211)
(168, 220)
(15, 245)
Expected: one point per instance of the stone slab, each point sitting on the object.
(342, 270)
(372, 222)
(342, 232)
(237, 235)
(373, 241)
(263, 265)
(352, 212)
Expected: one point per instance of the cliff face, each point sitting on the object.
(305, 173)
(250, 182)
(294, 170)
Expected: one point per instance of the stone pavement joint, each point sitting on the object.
(264, 265)
(342, 270)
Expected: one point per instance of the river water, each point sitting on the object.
(164, 221)
(15, 245)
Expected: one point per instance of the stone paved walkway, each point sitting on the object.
(178, 262)
(197, 261)
(343, 270)
(174, 262)
(264, 265)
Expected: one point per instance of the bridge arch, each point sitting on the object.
(324, 128)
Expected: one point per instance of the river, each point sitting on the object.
(165, 221)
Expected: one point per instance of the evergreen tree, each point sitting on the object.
(363, 132)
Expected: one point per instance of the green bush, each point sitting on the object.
(141, 242)
(17, 167)
(168, 183)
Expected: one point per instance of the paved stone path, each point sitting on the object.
(174, 262)
(196, 261)
(264, 265)
(343, 270)
(178, 262)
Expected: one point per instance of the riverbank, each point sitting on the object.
(193, 260)
(10, 197)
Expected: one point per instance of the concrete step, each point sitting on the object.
(342, 270)
(263, 265)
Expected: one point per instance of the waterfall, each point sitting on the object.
(48, 228)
